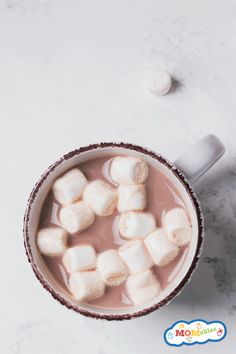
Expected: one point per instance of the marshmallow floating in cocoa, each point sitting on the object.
(86, 286)
(52, 241)
(136, 225)
(131, 197)
(79, 258)
(76, 217)
(128, 170)
(161, 249)
(135, 256)
(101, 197)
(111, 268)
(69, 188)
(142, 287)
(177, 225)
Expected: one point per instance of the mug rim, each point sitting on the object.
(177, 173)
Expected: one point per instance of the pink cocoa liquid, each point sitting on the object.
(103, 233)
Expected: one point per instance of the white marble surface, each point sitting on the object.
(71, 73)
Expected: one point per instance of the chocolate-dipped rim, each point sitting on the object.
(127, 316)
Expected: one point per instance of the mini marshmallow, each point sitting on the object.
(69, 188)
(79, 258)
(101, 197)
(161, 249)
(178, 227)
(142, 287)
(128, 170)
(133, 224)
(76, 217)
(111, 268)
(135, 256)
(52, 241)
(131, 197)
(86, 286)
(159, 82)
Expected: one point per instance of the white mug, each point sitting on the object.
(182, 173)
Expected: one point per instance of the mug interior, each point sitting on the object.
(37, 198)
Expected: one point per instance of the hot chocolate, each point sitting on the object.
(128, 209)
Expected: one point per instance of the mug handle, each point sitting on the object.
(200, 157)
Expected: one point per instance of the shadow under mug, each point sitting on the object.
(185, 171)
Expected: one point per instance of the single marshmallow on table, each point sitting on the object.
(177, 225)
(111, 268)
(159, 82)
(101, 197)
(69, 188)
(135, 256)
(79, 258)
(128, 170)
(142, 287)
(134, 224)
(52, 241)
(76, 217)
(161, 249)
(131, 197)
(86, 286)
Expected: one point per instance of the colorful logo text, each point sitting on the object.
(195, 332)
